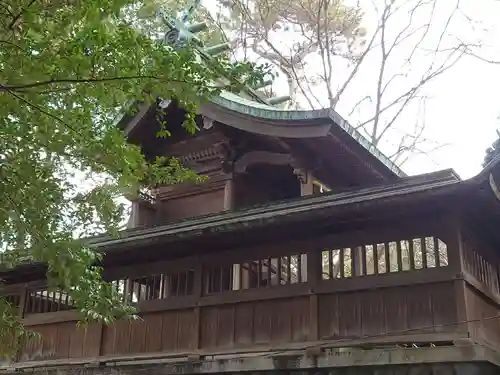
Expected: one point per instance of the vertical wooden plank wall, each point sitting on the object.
(480, 267)
(364, 302)
(456, 240)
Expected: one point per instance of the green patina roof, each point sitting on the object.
(242, 105)
(250, 102)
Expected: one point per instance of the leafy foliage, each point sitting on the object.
(66, 70)
(13, 333)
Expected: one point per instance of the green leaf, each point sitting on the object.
(66, 70)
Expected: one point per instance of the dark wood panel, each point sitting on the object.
(264, 322)
(483, 317)
(63, 340)
(154, 332)
(400, 310)
(206, 202)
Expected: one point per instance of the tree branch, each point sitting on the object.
(21, 87)
(19, 15)
(40, 109)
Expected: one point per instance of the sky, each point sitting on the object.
(465, 106)
(462, 110)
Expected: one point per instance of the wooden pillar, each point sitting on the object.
(456, 253)
(133, 221)
(314, 272)
(237, 277)
(229, 195)
(455, 243)
(229, 205)
(99, 332)
(22, 301)
(311, 263)
(22, 305)
(357, 259)
(306, 188)
(198, 292)
(306, 181)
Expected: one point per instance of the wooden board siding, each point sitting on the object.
(370, 287)
(63, 340)
(190, 205)
(484, 316)
(401, 310)
(263, 322)
(157, 332)
(413, 309)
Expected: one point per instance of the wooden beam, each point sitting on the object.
(261, 157)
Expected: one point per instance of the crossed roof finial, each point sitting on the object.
(178, 31)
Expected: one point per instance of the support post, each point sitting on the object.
(306, 181)
(198, 291)
(313, 278)
(229, 195)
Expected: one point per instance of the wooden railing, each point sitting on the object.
(400, 290)
(255, 274)
(386, 257)
(481, 267)
(224, 275)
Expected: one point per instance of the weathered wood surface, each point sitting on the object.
(360, 288)
(371, 314)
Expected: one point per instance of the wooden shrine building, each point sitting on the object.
(305, 250)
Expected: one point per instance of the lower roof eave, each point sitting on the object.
(279, 214)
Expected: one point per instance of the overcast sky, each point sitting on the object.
(462, 112)
(465, 108)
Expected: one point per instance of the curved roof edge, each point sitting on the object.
(305, 123)
(244, 106)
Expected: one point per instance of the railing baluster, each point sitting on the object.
(375, 259)
(399, 256)
(53, 303)
(259, 273)
(330, 264)
(279, 271)
(299, 268)
(423, 247)
(269, 265)
(364, 266)
(387, 258)
(341, 263)
(411, 254)
(240, 275)
(289, 270)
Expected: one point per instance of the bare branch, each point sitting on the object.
(424, 80)
(481, 58)
(354, 71)
(330, 31)
(363, 99)
(11, 44)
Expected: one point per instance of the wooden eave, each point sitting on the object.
(333, 142)
(322, 130)
(434, 192)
